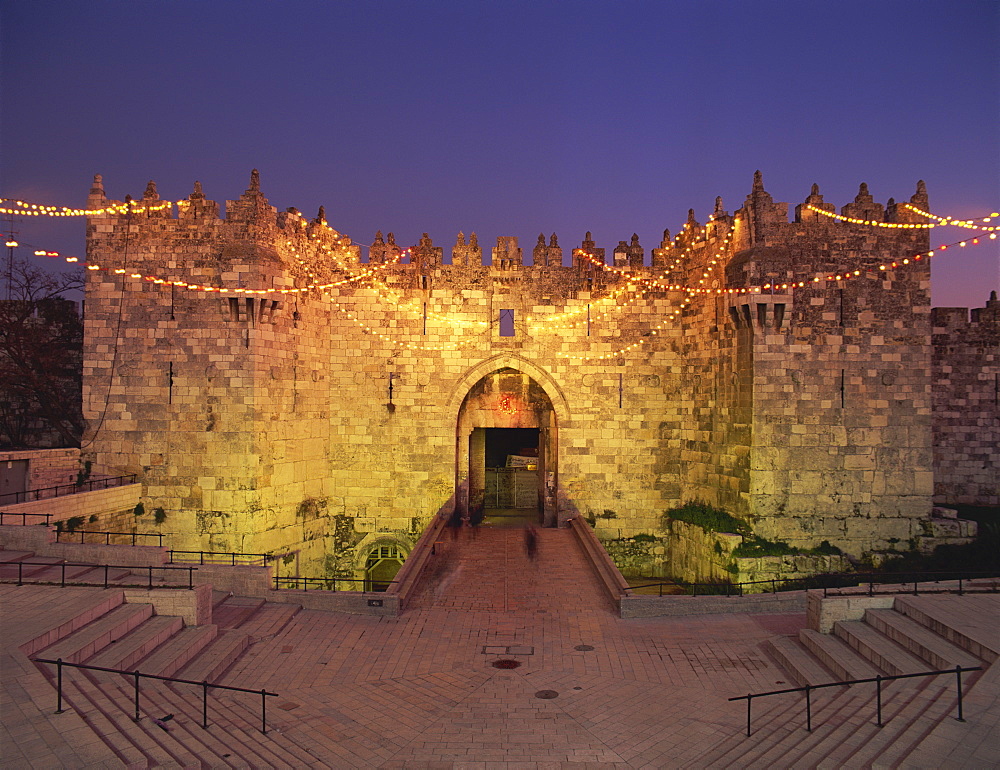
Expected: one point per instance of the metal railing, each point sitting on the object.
(63, 534)
(890, 582)
(44, 516)
(221, 557)
(328, 584)
(74, 580)
(957, 671)
(47, 493)
(136, 676)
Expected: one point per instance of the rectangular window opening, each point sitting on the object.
(507, 323)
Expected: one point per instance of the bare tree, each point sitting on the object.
(41, 360)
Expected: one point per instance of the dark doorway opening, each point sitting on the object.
(511, 494)
(501, 443)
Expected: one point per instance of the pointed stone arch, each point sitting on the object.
(511, 361)
(535, 401)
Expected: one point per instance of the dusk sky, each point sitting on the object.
(507, 118)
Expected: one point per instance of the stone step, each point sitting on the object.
(139, 643)
(57, 573)
(216, 658)
(33, 566)
(801, 666)
(95, 636)
(234, 611)
(836, 655)
(104, 728)
(975, 635)
(909, 710)
(269, 620)
(183, 735)
(183, 704)
(177, 652)
(241, 714)
(7, 557)
(937, 651)
(111, 600)
(109, 708)
(846, 733)
(880, 650)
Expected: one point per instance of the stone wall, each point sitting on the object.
(115, 503)
(47, 467)
(966, 396)
(278, 392)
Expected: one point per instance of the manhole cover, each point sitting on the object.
(546, 694)
(583, 648)
(505, 663)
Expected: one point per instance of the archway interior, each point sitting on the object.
(511, 475)
(505, 415)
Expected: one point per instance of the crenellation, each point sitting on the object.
(327, 421)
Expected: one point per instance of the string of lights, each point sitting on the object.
(872, 222)
(653, 332)
(966, 223)
(22, 208)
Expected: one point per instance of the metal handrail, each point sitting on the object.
(30, 495)
(107, 539)
(136, 675)
(957, 671)
(230, 556)
(106, 567)
(323, 584)
(46, 516)
(856, 578)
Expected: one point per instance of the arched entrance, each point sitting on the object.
(507, 447)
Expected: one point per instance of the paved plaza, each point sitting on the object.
(589, 689)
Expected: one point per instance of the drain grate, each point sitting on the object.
(583, 648)
(546, 694)
(505, 663)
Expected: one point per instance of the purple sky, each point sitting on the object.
(507, 118)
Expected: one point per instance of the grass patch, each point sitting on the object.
(708, 517)
(754, 546)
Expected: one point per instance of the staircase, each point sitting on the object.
(29, 568)
(169, 733)
(917, 634)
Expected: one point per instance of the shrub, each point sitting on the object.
(74, 523)
(644, 538)
(139, 509)
(707, 517)
(754, 545)
(159, 515)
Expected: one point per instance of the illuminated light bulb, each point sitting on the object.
(12, 244)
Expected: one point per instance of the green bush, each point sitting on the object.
(707, 517)
(139, 509)
(644, 538)
(74, 523)
(159, 515)
(754, 545)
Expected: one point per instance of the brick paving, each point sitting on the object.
(591, 690)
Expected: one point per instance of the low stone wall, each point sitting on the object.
(194, 607)
(638, 606)
(696, 556)
(42, 541)
(604, 568)
(775, 569)
(823, 611)
(350, 602)
(99, 502)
